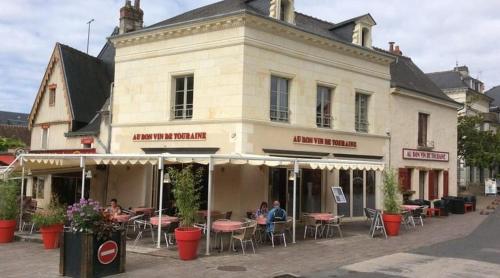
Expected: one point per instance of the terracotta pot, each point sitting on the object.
(7, 228)
(392, 223)
(187, 242)
(50, 236)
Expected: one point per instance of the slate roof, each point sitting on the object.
(261, 7)
(494, 93)
(407, 75)
(447, 79)
(13, 118)
(88, 80)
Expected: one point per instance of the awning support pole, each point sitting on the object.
(82, 165)
(295, 177)
(160, 206)
(22, 193)
(209, 204)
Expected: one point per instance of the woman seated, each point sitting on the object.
(114, 209)
(262, 211)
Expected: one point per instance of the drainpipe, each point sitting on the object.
(388, 133)
(111, 91)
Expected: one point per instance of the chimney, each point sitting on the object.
(391, 47)
(397, 51)
(131, 17)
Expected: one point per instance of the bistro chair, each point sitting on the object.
(416, 215)
(131, 223)
(370, 214)
(228, 215)
(27, 220)
(245, 235)
(143, 226)
(312, 225)
(169, 233)
(278, 231)
(334, 223)
(200, 222)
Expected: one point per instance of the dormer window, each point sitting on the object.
(365, 35)
(362, 32)
(282, 10)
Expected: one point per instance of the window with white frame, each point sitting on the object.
(279, 99)
(323, 107)
(183, 102)
(45, 138)
(361, 112)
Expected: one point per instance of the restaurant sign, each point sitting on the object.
(319, 141)
(180, 136)
(425, 155)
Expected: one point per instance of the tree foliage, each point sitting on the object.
(10, 143)
(391, 190)
(478, 148)
(187, 187)
(9, 208)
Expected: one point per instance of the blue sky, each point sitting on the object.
(436, 34)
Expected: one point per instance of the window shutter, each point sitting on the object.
(445, 184)
(431, 185)
(404, 178)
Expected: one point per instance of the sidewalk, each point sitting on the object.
(21, 259)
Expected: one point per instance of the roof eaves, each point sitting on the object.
(449, 100)
(66, 82)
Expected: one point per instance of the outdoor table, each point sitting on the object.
(147, 211)
(410, 207)
(261, 232)
(165, 220)
(261, 220)
(205, 212)
(321, 216)
(121, 218)
(225, 227)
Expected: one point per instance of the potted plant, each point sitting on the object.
(407, 194)
(51, 222)
(186, 190)
(8, 210)
(392, 204)
(95, 246)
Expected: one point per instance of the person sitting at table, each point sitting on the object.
(173, 210)
(114, 209)
(262, 211)
(276, 214)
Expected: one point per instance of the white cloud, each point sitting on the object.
(434, 33)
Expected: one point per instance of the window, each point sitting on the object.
(422, 129)
(39, 188)
(45, 137)
(365, 33)
(283, 11)
(323, 107)
(361, 113)
(52, 96)
(183, 108)
(279, 99)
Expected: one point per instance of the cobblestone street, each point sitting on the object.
(22, 259)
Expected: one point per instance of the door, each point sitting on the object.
(421, 184)
(311, 190)
(345, 184)
(433, 185)
(357, 193)
(281, 189)
(359, 189)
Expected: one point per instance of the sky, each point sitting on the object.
(435, 34)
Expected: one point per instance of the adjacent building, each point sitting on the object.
(245, 77)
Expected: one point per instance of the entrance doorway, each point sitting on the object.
(68, 187)
(308, 189)
(421, 184)
(359, 189)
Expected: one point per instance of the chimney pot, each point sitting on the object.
(137, 4)
(391, 47)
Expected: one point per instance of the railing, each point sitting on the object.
(5, 171)
(323, 120)
(362, 126)
(181, 112)
(279, 114)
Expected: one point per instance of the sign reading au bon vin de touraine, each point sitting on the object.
(306, 140)
(425, 155)
(179, 136)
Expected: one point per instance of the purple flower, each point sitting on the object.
(82, 214)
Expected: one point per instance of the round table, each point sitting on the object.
(226, 226)
(261, 220)
(147, 211)
(205, 212)
(410, 207)
(165, 220)
(121, 218)
(319, 216)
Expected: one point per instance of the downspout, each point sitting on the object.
(111, 91)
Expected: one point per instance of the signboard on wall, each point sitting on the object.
(425, 155)
(319, 141)
(179, 136)
(338, 195)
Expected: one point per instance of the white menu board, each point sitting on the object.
(338, 194)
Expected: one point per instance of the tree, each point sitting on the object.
(10, 143)
(478, 148)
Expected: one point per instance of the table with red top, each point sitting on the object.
(205, 212)
(410, 207)
(225, 227)
(121, 218)
(165, 220)
(321, 216)
(146, 211)
(261, 220)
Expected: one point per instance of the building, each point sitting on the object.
(459, 85)
(242, 77)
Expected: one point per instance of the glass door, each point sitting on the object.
(357, 193)
(359, 190)
(345, 184)
(311, 191)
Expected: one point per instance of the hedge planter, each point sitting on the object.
(187, 242)
(7, 228)
(392, 223)
(51, 235)
(84, 255)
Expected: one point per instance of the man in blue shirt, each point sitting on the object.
(276, 214)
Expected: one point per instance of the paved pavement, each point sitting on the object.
(475, 255)
(337, 257)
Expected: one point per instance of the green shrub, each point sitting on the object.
(390, 188)
(186, 183)
(52, 215)
(9, 207)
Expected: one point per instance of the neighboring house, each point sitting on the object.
(13, 125)
(469, 91)
(254, 77)
(70, 115)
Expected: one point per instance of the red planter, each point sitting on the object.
(392, 223)
(187, 242)
(50, 236)
(7, 228)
